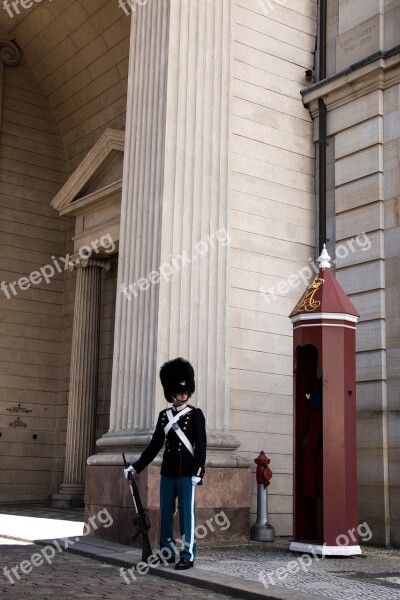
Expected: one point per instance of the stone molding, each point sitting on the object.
(221, 449)
(97, 213)
(379, 74)
(89, 262)
(95, 200)
(111, 139)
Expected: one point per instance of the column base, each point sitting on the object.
(222, 505)
(221, 449)
(71, 495)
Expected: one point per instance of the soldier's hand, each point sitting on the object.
(128, 470)
(195, 480)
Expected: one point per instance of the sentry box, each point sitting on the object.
(325, 469)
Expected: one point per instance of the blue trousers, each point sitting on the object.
(170, 489)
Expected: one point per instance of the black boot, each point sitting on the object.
(184, 563)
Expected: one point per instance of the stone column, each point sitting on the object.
(173, 256)
(180, 121)
(83, 381)
(132, 411)
(193, 305)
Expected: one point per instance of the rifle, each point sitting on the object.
(140, 520)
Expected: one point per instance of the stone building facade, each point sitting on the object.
(361, 95)
(179, 137)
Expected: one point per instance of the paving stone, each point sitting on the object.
(375, 575)
(71, 575)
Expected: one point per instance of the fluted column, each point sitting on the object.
(83, 380)
(174, 220)
(193, 304)
(132, 410)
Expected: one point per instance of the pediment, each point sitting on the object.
(100, 169)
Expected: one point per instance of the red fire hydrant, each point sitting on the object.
(262, 531)
(263, 472)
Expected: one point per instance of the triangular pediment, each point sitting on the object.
(100, 168)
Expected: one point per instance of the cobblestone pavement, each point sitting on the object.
(263, 569)
(70, 576)
(374, 576)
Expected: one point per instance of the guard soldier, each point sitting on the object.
(182, 427)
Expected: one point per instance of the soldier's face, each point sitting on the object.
(180, 399)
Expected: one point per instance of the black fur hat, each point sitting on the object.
(177, 376)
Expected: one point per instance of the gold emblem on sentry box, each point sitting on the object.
(309, 304)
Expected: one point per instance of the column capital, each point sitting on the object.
(78, 261)
(10, 54)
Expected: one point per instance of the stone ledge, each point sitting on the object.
(380, 71)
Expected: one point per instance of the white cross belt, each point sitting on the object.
(173, 422)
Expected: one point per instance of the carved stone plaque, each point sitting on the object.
(18, 424)
(18, 409)
(358, 43)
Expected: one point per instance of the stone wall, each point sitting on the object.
(363, 135)
(69, 87)
(272, 213)
(32, 168)
(78, 53)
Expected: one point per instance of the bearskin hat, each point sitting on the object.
(177, 376)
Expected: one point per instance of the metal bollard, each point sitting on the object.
(262, 531)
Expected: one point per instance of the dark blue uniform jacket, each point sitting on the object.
(177, 459)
